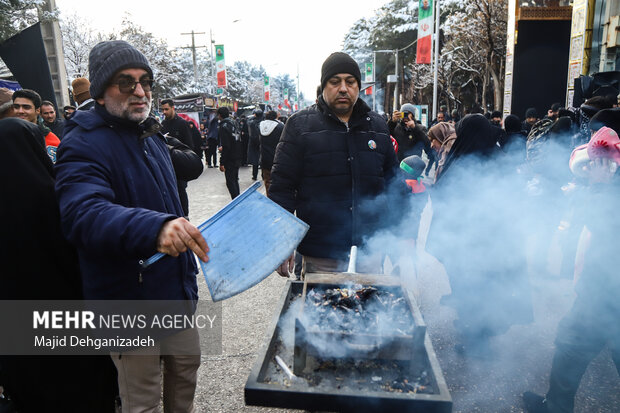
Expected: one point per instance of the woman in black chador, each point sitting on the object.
(37, 263)
(476, 234)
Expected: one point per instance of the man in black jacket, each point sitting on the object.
(230, 148)
(270, 131)
(50, 118)
(331, 163)
(254, 141)
(178, 128)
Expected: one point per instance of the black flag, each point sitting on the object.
(24, 54)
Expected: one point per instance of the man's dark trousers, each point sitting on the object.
(231, 173)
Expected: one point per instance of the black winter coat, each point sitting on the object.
(254, 141)
(178, 127)
(330, 173)
(231, 148)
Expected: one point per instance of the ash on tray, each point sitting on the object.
(358, 309)
(366, 375)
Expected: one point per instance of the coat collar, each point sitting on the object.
(360, 111)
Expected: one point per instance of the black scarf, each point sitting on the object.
(474, 136)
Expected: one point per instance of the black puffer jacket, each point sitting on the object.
(231, 147)
(330, 174)
(254, 139)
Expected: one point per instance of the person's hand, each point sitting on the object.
(286, 268)
(222, 169)
(219, 149)
(396, 116)
(177, 235)
(410, 123)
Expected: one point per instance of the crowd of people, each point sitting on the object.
(108, 182)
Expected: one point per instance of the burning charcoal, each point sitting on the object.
(402, 385)
(366, 293)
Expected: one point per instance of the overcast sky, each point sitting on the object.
(279, 35)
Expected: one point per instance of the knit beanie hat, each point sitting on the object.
(531, 113)
(107, 58)
(512, 124)
(605, 144)
(413, 165)
(339, 62)
(80, 85)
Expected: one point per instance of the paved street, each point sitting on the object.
(522, 356)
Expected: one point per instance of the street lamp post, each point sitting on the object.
(374, 54)
(436, 74)
(396, 84)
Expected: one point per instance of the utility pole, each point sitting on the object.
(194, 47)
(435, 76)
(212, 61)
(396, 84)
(374, 80)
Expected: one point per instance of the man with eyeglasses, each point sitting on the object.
(119, 205)
(27, 106)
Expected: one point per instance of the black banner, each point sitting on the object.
(189, 105)
(25, 56)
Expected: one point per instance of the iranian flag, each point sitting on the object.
(286, 102)
(425, 32)
(220, 66)
(369, 78)
(266, 88)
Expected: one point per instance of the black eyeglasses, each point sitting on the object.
(129, 84)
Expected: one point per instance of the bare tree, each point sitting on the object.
(16, 15)
(77, 38)
(476, 40)
(169, 75)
